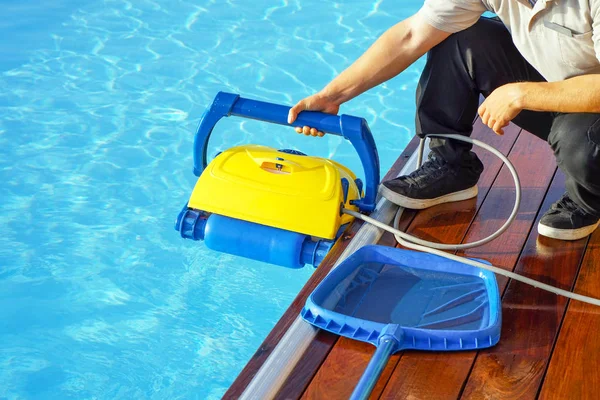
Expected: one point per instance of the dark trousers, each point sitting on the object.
(478, 60)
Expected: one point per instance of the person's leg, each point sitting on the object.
(575, 139)
(466, 65)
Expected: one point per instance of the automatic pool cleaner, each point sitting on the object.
(282, 207)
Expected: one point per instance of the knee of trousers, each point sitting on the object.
(578, 155)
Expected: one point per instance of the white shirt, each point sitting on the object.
(559, 38)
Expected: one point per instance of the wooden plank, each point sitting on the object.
(514, 369)
(416, 371)
(573, 371)
(346, 362)
(323, 343)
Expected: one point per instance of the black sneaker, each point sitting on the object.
(565, 220)
(434, 183)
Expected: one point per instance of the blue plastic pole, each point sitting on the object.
(387, 346)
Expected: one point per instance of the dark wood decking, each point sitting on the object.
(550, 347)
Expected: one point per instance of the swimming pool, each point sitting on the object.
(100, 298)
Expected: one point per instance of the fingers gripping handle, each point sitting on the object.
(351, 128)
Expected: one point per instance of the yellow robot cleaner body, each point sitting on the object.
(266, 186)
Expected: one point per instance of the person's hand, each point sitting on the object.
(316, 102)
(500, 107)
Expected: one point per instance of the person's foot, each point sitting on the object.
(434, 183)
(565, 220)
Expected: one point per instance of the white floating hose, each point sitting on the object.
(415, 243)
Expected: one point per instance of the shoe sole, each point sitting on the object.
(420, 204)
(566, 234)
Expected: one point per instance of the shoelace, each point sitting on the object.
(432, 168)
(567, 204)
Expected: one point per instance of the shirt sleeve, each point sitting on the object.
(452, 15)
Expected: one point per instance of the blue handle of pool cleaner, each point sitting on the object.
(387, 346)
(278, 114)
(351, 128)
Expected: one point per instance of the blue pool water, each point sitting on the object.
(99, 297)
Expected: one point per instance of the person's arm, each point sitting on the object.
(392, 53)
(580, 94)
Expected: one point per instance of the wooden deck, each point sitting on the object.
(549, 348)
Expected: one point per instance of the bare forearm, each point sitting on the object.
(580, 94)
(392, 53)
